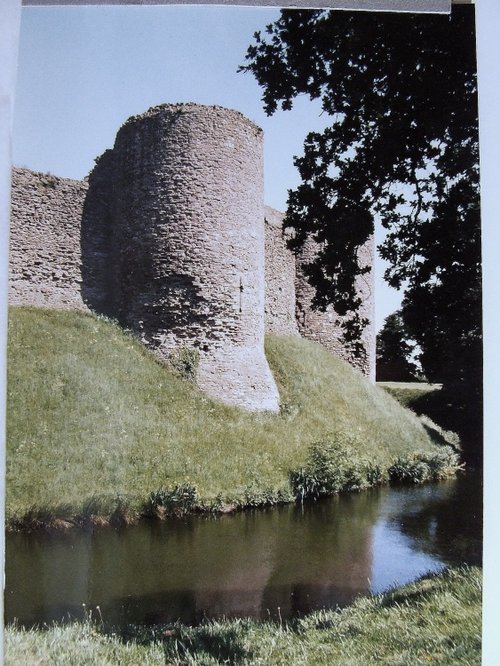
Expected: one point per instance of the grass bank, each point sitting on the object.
(98, 428)
(435, 620)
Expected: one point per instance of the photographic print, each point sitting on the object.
(244, 414)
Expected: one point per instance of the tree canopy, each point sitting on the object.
(394, 352)
(402, 148)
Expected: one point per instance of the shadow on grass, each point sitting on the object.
(216, 642)
(437, 436)
(220, 643)
(427, 587)
(436, 406)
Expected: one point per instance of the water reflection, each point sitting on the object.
(448, 523)
(294, 559)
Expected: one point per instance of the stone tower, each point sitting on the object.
(182, 243)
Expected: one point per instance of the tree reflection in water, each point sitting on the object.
(449, 524)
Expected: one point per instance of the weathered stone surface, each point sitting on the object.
(45, 265)
(280, 277)
(170, 237)
(96, 238)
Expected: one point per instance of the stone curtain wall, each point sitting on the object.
(325, 327)
(45, 266)
(280, 277)
(289, 297)
(179, 247)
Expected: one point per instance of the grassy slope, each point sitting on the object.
(435, 620)
(91, 412)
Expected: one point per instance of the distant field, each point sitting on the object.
(417, 386)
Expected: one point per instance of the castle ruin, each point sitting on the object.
(169, 235)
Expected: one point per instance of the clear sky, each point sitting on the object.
(84, 70)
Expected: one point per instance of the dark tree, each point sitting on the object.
(394, 352)
(402, 148)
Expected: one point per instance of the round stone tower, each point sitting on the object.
(187, 246)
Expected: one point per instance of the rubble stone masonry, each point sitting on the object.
(280, 277)
(45, 259)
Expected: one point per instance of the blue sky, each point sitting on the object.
(84, 70)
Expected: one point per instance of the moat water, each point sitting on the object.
(264, 564)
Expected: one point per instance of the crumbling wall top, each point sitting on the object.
(209, 109)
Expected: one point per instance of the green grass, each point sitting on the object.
(436, 620)
(96, 423)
